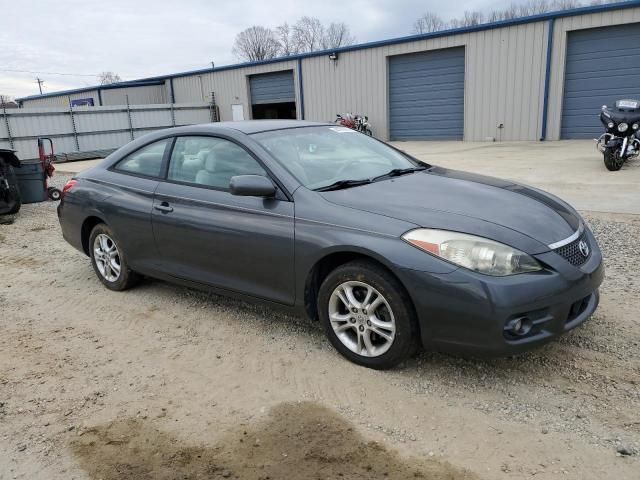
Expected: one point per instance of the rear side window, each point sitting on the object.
(146, 161)
(210, 162)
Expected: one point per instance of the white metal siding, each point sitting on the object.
(504, 79)
(504, 82)
(562, 27)
(152, 94)
(60, 101)
(231, 87)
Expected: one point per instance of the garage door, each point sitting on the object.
(426, 95)
(602, 66)
(274, 87)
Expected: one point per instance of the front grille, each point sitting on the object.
(571, 251)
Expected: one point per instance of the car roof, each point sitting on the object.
(255, 126)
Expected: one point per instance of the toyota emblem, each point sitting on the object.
(584, 248)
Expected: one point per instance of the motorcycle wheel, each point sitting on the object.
(367, 131)
(612, 160)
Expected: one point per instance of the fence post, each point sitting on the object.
(73, 126)
(6, 122)
(129, 116)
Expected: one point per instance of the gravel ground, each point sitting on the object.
(162, 382)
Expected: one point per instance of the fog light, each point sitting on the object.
(519, 327)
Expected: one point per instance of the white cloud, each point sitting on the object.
(138, 38)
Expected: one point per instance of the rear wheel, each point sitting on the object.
(108, 259)
(367, 315)
(612, 160)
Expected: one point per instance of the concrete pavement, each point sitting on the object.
(573, 170)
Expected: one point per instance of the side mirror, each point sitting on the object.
(252, 186)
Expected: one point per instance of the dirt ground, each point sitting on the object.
(165, 382)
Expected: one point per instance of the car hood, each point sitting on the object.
(466, 202)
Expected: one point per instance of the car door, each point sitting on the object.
(205, 234)
(127, 200)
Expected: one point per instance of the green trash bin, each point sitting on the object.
(31, 181)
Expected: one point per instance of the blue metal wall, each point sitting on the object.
(603, 65)
(277, 87)
(426, 95)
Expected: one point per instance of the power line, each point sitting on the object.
(51, 73)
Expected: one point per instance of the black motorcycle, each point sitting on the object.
(10, 201)
(621, 140)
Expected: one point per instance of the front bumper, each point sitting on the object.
(466, 312)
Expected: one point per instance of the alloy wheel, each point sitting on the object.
(362, 319)
(107, 257)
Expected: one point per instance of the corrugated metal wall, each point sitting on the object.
(230, 87)
(152, 94)
(504, 73)
(93, 128)
(562, 26)
(61, 101)
(504, 79)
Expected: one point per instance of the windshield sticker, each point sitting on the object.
(342, 130)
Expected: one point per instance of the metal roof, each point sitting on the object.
(157, 80)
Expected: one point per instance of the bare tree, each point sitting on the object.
(287, 42)
(308, 34)
(337, 35)
(105, 78)
(256, 43)
(429, 22)
(468, 20)
(566, 4)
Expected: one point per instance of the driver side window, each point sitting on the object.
(210, 162)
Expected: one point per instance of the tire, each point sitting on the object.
(13, 191)
(102, 241)
(54, 193)
(346, 329)
(368, 131)
(612, 160)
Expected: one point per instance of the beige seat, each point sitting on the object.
(206, 176)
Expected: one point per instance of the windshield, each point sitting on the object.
(321, 156)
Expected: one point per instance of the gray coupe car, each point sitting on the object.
(387, 252)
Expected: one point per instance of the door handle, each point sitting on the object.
(164, 207)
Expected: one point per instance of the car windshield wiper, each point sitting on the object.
(396, 172)
(340, 184)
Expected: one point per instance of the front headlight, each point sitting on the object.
(611, 124)
(622, 127)
(475, 253)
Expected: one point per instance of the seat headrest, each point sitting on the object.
(225, 159)
(210, 162)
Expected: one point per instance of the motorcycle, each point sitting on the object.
(10, 201)
(621, 141)
(359, 123)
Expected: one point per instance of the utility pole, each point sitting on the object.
(40, 83)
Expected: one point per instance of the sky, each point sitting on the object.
(140, 38)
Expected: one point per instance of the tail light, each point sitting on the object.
(68, 186)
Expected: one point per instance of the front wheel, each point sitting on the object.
(367, 315)
(612, 160)
(108, 259)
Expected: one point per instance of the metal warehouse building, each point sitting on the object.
(540, 77)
